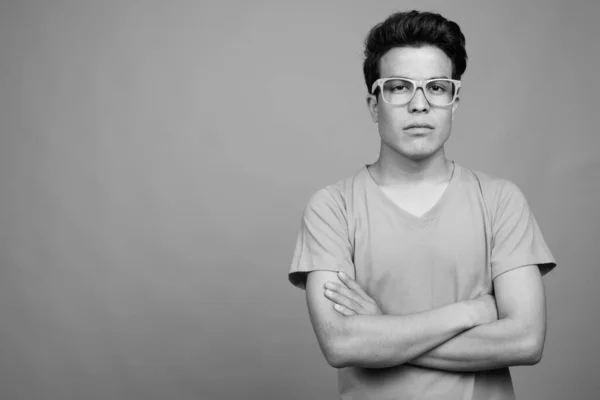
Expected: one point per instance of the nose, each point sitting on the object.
(419, 103)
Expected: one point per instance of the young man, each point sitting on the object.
(400, 260)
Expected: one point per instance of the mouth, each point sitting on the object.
(419, 127)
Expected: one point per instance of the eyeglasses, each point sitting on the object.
(400, 91)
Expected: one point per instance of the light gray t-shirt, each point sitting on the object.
(480, 228)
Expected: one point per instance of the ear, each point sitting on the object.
(372, 106)
(455, 106)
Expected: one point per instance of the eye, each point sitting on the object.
(399, 88)
(437, 88)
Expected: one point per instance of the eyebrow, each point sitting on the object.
(406, 77)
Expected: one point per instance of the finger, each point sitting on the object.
(343, 310)
(344, 291)
(351, 284)
(342, 300)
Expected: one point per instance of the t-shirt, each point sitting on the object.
(481, 227)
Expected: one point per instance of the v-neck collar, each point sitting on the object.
(430, 214)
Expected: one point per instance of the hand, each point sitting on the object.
(349, 298)
(485, 310)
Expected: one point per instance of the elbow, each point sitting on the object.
(341, 351)
(341, 345)
(336, 361)
(336, 352)
(532, 351)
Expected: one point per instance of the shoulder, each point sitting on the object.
(337, 195)
(495, 190)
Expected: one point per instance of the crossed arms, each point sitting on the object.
(473, 335)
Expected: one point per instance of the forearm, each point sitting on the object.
(379, 341)
(502, 343)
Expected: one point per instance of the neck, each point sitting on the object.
(394, 169)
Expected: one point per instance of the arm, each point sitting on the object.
(378, 341)
(516, 338)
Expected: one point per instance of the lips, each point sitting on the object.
(418, 126)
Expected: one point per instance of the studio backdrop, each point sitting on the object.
(156, 157)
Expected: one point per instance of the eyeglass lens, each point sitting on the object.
(400, 91)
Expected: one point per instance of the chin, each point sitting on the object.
(418, 154)
(415, 150)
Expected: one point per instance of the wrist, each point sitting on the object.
(471, 313)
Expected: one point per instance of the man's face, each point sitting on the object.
(394, 121)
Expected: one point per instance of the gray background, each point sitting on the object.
(155, 158)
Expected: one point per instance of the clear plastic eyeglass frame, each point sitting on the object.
(416, 84)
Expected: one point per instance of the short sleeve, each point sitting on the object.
(517, 240)
(323, 242)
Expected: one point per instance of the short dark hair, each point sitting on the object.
(414, 29)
